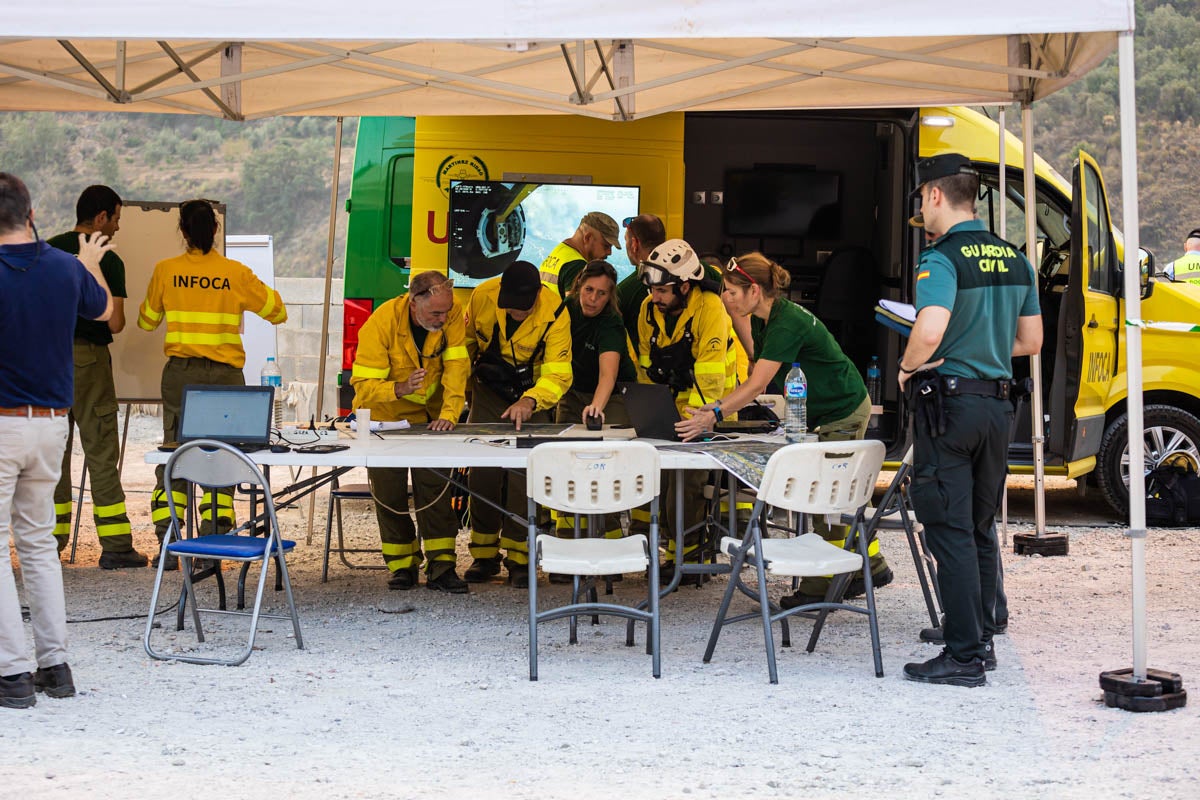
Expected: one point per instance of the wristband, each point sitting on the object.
(905, 370)
(716, 411)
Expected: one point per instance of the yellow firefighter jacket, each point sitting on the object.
(713, 361)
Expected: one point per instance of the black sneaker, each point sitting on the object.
(448, 581)
(16, 691)
(1001, 627)
(55, 681)
(933, 635)
(858, 588)
(989, 658)
(482, 570)
(798, 599)
(402, 579)
(947, 669)
(123, 560)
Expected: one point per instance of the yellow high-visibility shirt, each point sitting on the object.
(562, 254)
(202, 296)
(387, 354)
(552, 370)
(714, 363)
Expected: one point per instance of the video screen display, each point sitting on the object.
(782, 202)
(494, 223)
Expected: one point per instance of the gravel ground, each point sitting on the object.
(421, 694)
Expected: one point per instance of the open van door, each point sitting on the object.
(1085, 362)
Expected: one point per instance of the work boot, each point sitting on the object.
(989, 658)
(559, 577)
(403, 579)
(482, 570)
(790, 601)
(518, 576)
(449, 582)
(171, 565)
(946, 669)
(55, 681)
(666, 574)
(16, 691)
(121, 560)
(858, 587)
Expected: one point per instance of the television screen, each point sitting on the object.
(782, 202)
(494, 223)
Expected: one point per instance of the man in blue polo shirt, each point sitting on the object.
(42, 292)
(977, 308)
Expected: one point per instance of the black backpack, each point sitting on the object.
(1172, 496)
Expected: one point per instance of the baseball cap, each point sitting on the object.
(605, 225)
(943, 166)
(917, 220)
(1194, 233)
(519, 286)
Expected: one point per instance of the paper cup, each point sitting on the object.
(363, 415)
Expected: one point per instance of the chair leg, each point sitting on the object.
(765, 607)
(655, 626)
(919, 564)
(533, 621)
(187, 564)
(291, 601)
(719, 623)
(837, 587)
(328, 535)
(78, 513)
(872, 617)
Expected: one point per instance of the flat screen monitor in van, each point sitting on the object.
(494, 223)
(783, 202)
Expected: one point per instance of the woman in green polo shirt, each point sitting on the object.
(784, 333)
(599, 348)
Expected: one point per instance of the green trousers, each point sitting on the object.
(846, 429)
(180, 372)
(436, 520)
(95, 412)
(491, 529)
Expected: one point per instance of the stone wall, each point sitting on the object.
(299, 339)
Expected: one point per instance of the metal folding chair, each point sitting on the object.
(337, 495)
(593, 479)
(207, 464)
(826, 478)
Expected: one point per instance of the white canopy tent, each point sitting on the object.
(249, 59)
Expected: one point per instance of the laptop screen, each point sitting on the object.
(234, 414)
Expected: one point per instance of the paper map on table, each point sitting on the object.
(746, 460)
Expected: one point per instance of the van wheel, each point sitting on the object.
(1167, 430)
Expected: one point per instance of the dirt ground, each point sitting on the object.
(422, 694)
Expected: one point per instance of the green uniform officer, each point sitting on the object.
(784, 333)
(95, 406)
(977, 307)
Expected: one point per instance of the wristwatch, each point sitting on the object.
(905, 370)
(716, 411)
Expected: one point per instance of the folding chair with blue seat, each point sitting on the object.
(593, 479)
(208, 463)
(826, 478)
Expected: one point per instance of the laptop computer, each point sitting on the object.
(238, 415)
(651, 409)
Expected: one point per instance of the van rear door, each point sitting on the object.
(1086, 357)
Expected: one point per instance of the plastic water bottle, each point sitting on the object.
(873, 384)
(270, 376)
(795, 391)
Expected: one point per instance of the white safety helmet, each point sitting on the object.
(673, 261)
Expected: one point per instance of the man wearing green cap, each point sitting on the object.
(593, 240)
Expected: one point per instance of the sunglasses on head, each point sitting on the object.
(732, 266)
(625, 223)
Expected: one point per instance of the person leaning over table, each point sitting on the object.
(520, 343)
(977, 308)
(683, 342)
(599, 359)
(412, 365)
(42, 292)
(201, 295)
(838, 406)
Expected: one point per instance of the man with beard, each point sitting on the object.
(412, 365)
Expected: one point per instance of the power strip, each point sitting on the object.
(295, 435)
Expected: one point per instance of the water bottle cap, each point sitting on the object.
(270, 358)
(795, 363)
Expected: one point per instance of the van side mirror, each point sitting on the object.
(1145, 269)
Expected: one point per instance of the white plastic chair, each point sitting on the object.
(208, 463)
(826, 478)
(594, 479)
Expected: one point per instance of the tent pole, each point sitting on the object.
(1002, 159)
(1139, 688)
(323, 352)
(1133, 349)
(1035, 360)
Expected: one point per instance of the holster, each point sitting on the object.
(926, 388)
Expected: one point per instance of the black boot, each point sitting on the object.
(947, 669)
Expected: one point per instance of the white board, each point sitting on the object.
(150, 233)
(258, 336)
